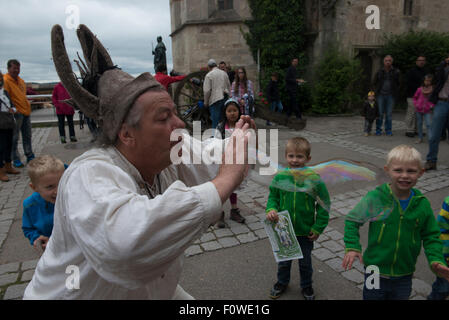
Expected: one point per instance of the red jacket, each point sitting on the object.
(60, 94)
(165, 80)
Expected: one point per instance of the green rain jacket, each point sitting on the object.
(301, 205)
(395, 235)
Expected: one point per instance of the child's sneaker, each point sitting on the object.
(63, 140)
(18, 164)
(378, 133)
(389, 133)
(418, 141)
(277, 290)
(73, 139)
(308, 293)
(366, 134)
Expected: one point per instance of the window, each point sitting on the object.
(408, 7)
(225, 4)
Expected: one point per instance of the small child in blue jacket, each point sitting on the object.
(37, 221)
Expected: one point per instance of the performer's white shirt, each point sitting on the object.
(124, 243)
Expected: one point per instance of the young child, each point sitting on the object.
(401, 218)
(273, 95)
(231, 115)
(423, 106)
(309, 218)
(370, 112)
(37, 222)
(440, 288)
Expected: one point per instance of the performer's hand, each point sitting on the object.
(273, 216)
(313, 236)
(440, 270)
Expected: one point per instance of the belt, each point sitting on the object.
(444, 99)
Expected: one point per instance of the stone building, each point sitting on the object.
(203, 29)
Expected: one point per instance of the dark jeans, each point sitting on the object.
(305, 265)
(216, 112)
(368, 125)
(61, 124)
(440, 289)
(293, 106)
(5, 146)
(23, 124)
(439, 120)
(386, 104)
(394, 288)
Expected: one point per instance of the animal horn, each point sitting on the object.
(87, 102)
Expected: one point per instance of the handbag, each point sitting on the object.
(7, 120)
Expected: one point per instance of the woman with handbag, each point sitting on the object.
(7, 123)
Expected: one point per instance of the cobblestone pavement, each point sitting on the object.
(329, 248)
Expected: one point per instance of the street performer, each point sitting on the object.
(124, 213)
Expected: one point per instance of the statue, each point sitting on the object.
(159, 54)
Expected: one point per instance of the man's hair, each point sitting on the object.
(404, 153)
(222, 62)
(42, 165)
(11, 62)
(161, 68)
(388, 55)
(299, 144)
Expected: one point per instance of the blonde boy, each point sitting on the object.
(308, 217)
(37, 222)
(400, 219)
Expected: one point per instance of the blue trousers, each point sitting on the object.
(420, 118)
(385, 103)
(23, 125)
(439, 119)
(216, 112)
(440, 289)
(305, 265)
(395, 288)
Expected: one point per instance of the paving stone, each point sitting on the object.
(10, 267)
(239, 229)
(225, 232)
(228, 242)
(322, 238)
(8, 278)
(335, 264)
(247, 237)
(261, 233)
(211, 246)
(27, 275)
(209, 236)
(190, 251)
(421, 287)
(255, 226)
(30, 264)
(323, 254)
(332, 245)
(334, 235)
(15, 291)
(354, 276)
(251, 219)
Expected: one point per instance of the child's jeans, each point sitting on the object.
(276, 106)
(427, 117)
(440, 289)
(305, 265)
(368, 125)
(393, 288)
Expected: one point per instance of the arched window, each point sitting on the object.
(408, 7)
(225, 4)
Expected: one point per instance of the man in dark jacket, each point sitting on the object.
(439, 96)
(414, 78)
(386, 83)
(291, 84)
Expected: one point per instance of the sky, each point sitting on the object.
(126, 28)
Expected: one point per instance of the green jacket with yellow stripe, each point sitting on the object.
(307, 200)
(394, 239)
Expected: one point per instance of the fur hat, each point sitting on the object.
(106, 93)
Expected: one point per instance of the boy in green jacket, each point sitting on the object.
(307, 201)
(400, 219)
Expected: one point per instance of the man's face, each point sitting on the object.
(14, 70)
(403, 175)
(47, 186)
(222, 66)
(152, 136)
(420, 62)
(295, 62)
(388, 61)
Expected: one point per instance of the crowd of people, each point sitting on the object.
(125, 218)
